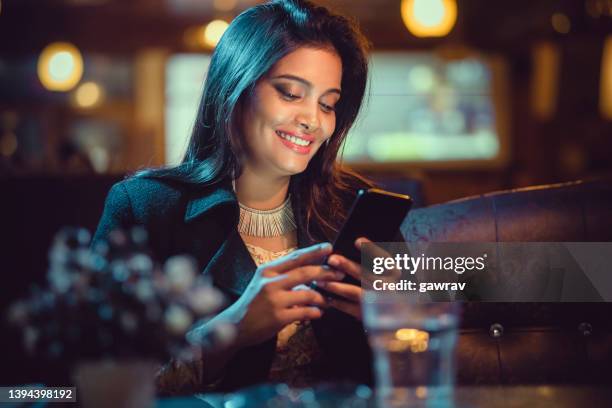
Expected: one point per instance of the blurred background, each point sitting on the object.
(466, 97)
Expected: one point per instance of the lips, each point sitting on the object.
(299, 144)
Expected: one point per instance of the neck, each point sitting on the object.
(261, 192)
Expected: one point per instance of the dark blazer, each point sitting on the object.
(202, 222)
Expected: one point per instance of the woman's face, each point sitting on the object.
(291, 113)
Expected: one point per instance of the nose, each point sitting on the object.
(308, 118)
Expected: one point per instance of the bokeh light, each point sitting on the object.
(213, 32)
(546, 62)
(88, 95)
(429, 18)
(421, 392)
(605, 91)
(60, 66)
(409, 339)
(561, 23)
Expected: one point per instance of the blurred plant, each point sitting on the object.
(113, 301)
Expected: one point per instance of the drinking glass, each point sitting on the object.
(413, 344)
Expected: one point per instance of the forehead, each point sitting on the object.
(321, 67)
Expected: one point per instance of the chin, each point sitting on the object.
(291, 164)
(292, 170)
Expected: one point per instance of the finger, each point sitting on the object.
(301, 298)
(346, 290)
(300, 313)
(305, 274)
(345, 265)
(353, 309)
(371, 249)
(360, 241)
(312, 255)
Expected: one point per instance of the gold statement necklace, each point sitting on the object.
(266, 223)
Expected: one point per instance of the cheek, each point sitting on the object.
(271, 115)
(328, 125)
(262, 115)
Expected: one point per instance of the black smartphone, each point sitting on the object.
(375, 214)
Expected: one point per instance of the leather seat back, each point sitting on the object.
(528, 342)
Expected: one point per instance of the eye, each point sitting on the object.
(286, 94)
(327, 108)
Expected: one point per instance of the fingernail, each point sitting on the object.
(339, 275)
(333, 260)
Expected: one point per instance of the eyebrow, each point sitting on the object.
(305, 82)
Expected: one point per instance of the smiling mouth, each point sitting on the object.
(294, 139)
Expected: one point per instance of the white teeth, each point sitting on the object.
(296, 140)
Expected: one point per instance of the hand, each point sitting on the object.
(270, 301)
(352, 294)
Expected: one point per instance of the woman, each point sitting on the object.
(258, 186)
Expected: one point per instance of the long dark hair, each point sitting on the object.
(252, 44)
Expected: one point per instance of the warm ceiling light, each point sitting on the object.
(429, 18)
(88, 95)
(60, 66)
(213, 32)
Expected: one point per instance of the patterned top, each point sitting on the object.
(296, 345)
(261, 255)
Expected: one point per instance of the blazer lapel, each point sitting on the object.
(232, 267)
(204, 201)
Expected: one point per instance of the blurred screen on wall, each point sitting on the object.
(420, 108)
(423, 108)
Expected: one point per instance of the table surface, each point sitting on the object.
(362, 397)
